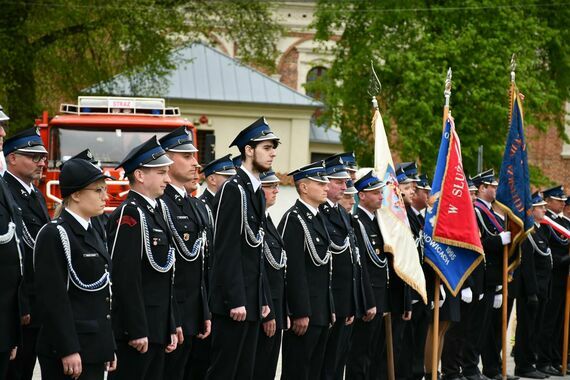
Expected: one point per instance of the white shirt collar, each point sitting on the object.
(150, 201)
(255, 182)
(84, 222)
(27, 186)
(179, 190)
(333, 205)
(370, 215)
(313, 210)
(415, 211)
(210, 191)
(488, 204)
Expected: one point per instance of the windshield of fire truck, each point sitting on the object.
(108, 146)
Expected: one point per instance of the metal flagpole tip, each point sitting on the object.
(448, 82)
(513, 67)
(374, 86)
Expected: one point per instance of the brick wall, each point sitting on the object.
(544, 151)
(288, 68)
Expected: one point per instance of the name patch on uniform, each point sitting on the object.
(181, 216)
(90, 254)
(157, 230)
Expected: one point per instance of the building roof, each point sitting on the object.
(322, 134)
(206, 74)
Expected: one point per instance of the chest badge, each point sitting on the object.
(155, 241)
(186, 236)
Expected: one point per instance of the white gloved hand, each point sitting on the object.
(481, 296)
(505, 237)
(467, 295)
(497, 301)
(443, 295)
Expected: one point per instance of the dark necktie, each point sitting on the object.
(422, 220)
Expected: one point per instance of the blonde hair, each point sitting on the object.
(60, 207)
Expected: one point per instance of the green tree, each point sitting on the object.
(412, 44)
(52, 49)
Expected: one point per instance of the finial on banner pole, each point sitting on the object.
(513, 67)
(374, 86)
(447, 94)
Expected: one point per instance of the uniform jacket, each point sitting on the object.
(493, 248)
(204, 204)
(208, 198)
(348, 287)
(191, 306)
(308, 286)
(10, 273)
(534, 274)
(559, 247)
(237, 277)
(142, 296)
(417, 227)
(276, 277)
(73, 319)
(34, 215)
(377, 272)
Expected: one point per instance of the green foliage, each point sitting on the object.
(413, 43)
(51, 50)
(538, 179)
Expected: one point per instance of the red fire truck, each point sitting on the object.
(110, 127)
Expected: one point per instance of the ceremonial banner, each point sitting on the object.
(398, 238)
(513, 193)
(452, 246)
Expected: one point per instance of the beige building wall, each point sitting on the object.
(226, 120)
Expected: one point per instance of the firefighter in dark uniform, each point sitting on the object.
(216, 173)
(73, 281)
(99, 222)
(239, 294)
(25, 159)
(368, 336)
(309, 272)
(416, 331)
(532, 281)
(350, 287)
(347, 201)
(189, 231)
(460, 356)
(493, 238)
(139, 241)
(269, 341)
(11, 268)
(199, 360)
(550, 342)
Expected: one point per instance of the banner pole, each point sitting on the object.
(504, 310)
(566, 325)
(506, 247)
(435, 330)
(389, 346)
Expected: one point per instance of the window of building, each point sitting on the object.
(206, 145)
(314, 74)
(315, 156)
